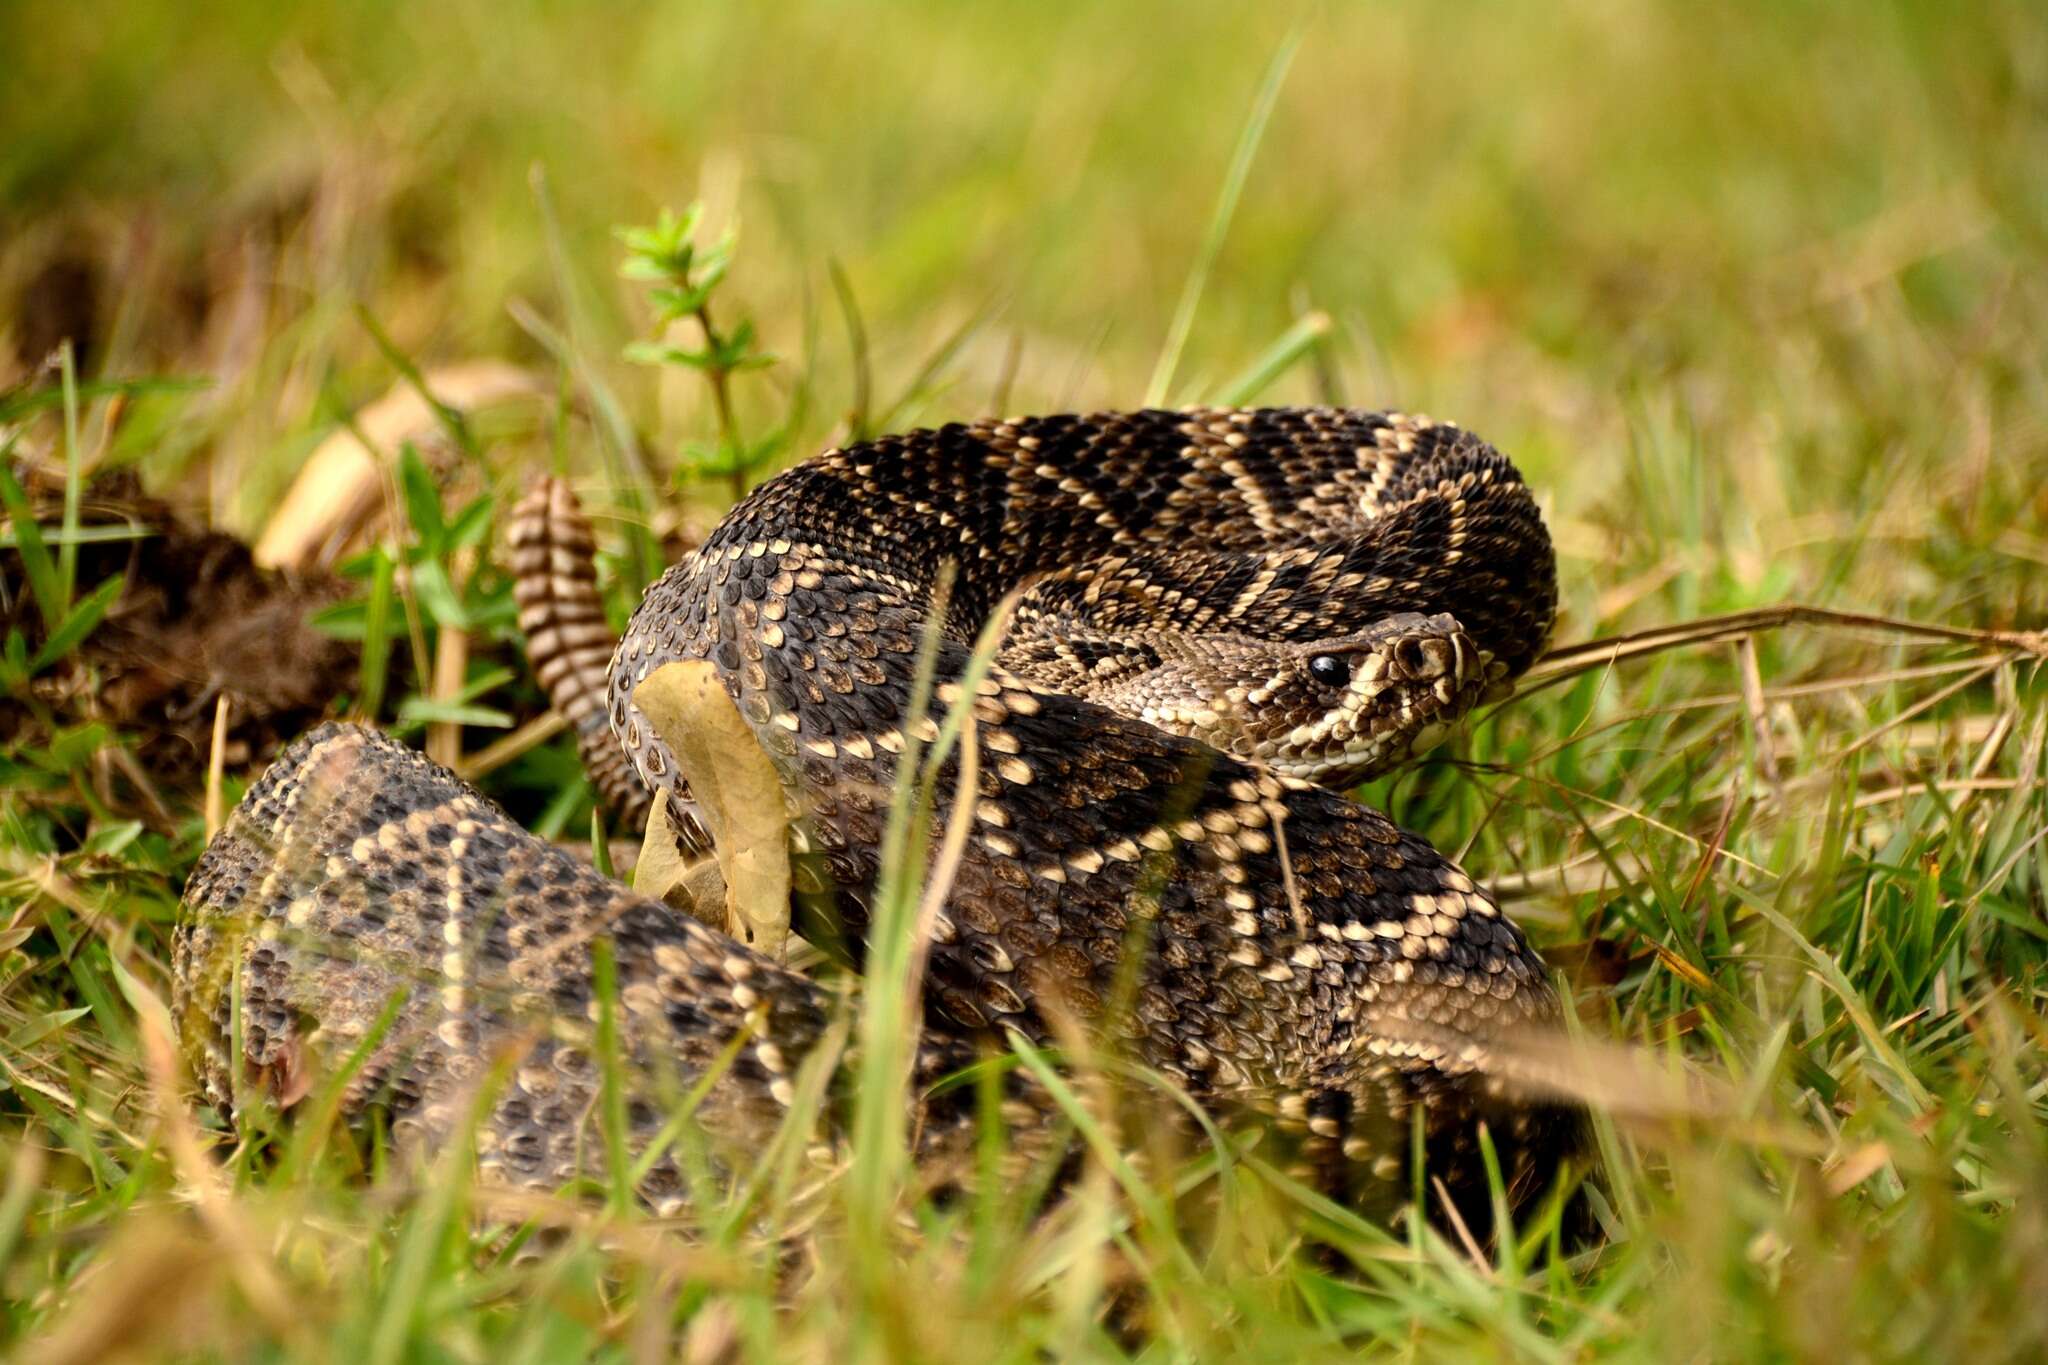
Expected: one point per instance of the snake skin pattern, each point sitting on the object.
(554, 583)
(1206, 606)
(361, 897)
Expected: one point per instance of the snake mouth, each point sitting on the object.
(1439, 679)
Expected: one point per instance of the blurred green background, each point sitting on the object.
(1523, 217)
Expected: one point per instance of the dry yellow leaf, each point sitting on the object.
(738, 795)
(340, 486)
(697, 888)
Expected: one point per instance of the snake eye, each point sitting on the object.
(1329, 670)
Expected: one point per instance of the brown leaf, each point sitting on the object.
(738, 795)
(1856, 1167)
(339, 489)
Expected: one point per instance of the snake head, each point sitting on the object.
(1333, 712)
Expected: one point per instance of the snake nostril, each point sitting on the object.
(1418, 659)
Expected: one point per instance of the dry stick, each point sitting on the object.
(216, 766)
(498, 753)
(451, 668)
(1465, 1237)
(1571, 660)
(1753, 702)
(1278, 814)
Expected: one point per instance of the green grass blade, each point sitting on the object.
(611, 1064)
(74, 475)
(857, 412)
(83, 619)
(44, 581)
(374, 670)
(1304, 338)
(1219, 221)
(450, 419)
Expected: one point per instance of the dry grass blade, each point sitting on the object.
(141, 1297)
(216, 767)
(495, 755)
(952, 847)
(1753, 701)
(1621, 811)
(244, 1250)
(1920, 707)
(1571, 660)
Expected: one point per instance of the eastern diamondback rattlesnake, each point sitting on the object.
(1212, 609)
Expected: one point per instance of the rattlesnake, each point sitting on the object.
(1207, 610)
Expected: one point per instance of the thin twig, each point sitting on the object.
(498, 753)
(216, 765)
(1571, 660)
(1753, 702)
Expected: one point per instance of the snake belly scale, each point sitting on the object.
(1211, 612)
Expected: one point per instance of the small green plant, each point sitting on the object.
(683, 276)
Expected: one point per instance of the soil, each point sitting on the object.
(195, 622)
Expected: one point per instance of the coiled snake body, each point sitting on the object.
(1208, 611)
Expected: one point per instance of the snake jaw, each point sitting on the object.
(686, 822)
